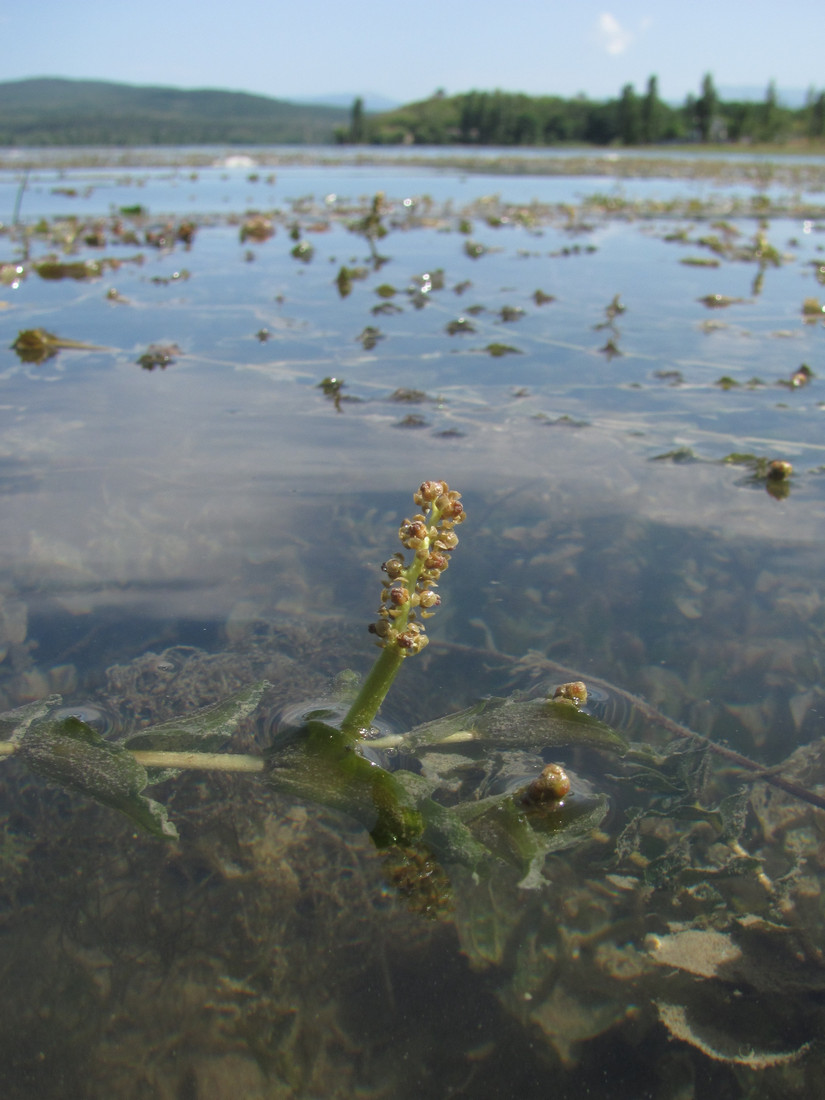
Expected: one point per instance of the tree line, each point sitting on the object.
(508, 118)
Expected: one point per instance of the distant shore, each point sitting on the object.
(799, 165)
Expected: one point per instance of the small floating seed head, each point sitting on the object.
(547, 789)
(409, 589)
(575, 692)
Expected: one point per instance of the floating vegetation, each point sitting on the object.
(672, 377)
(459, 326)
(611, 349)
(11, 275)
(258, 228)
(158, 355)
(386, 290)
(774, 473)
(508, 314)
(542, 299)
(176, 277)
(75, 269)
(498, 350)
(408, 397)
(372, 227)
(726, 382)
(474, 250)
(678, 455)
(812, 311)
(612, 310)
(563, 421)
(347, 276)
(719, 301)
(369, 337)
(302, 251)
(799, 378)
(412, 420)
(36, 345)
(332, 388)
(699, 261)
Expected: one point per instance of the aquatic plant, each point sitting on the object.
(331, 752)
(36, 345)
(372, 227)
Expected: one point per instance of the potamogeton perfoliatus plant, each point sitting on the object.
(68, 752)
(409, 594)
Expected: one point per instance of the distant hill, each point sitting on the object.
(55, 111)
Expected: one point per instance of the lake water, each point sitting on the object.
(604, 368)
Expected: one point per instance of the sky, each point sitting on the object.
(297, 49)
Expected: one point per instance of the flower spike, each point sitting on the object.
(409, 590)
(408, 595)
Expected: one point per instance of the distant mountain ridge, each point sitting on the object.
(58, 111)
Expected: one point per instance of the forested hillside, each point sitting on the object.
(53, 111)
(507, 118)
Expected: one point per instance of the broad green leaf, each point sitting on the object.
(70, 753)
(523, 723)
(14, 723)
(444, 832)
(205, 730)
(525, 837)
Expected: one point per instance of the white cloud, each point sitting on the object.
(612, 35)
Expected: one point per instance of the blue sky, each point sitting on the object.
(305, 48)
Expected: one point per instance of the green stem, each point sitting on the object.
(373, 691)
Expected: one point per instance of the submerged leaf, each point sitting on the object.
(205, 730)
(70, 753)
(14, 723)
(715, 1044)
(514, 722)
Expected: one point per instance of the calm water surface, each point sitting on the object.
(174, 530)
